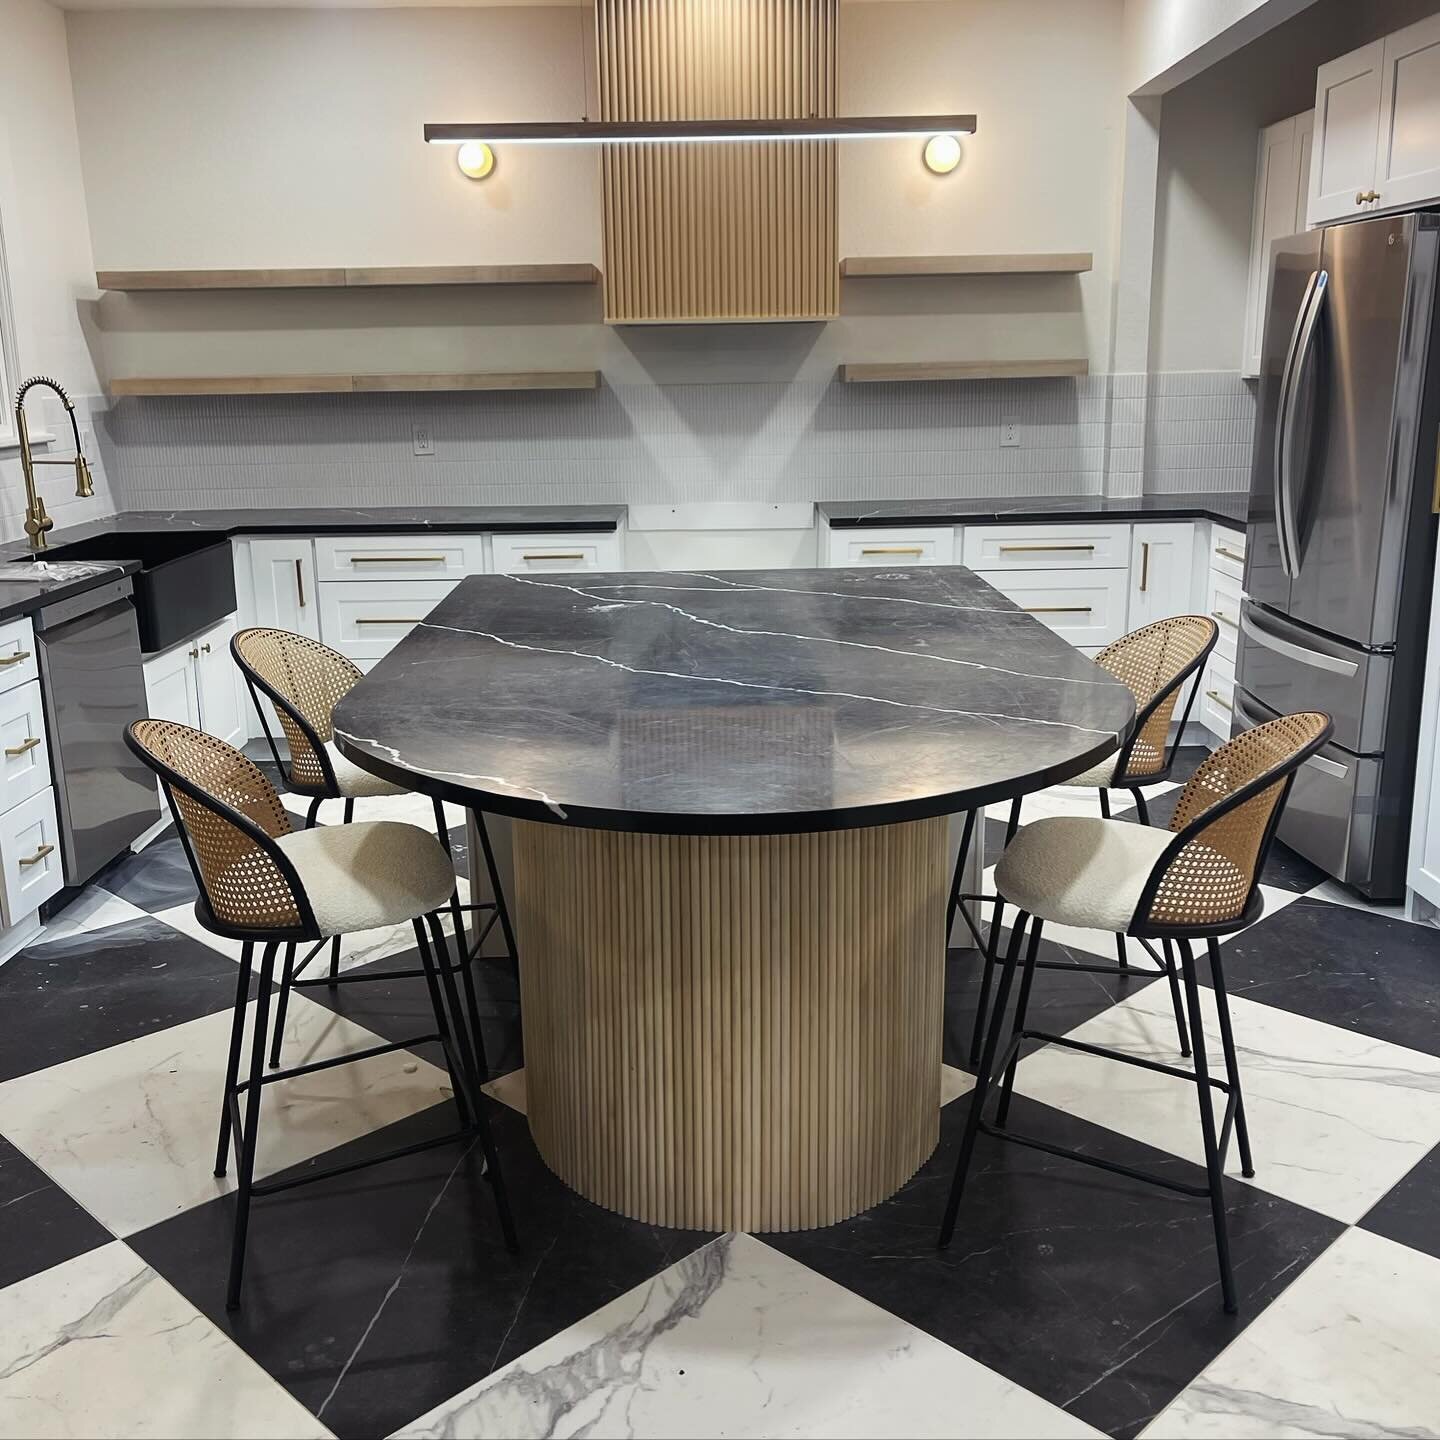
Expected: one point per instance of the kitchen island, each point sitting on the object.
(732, 795)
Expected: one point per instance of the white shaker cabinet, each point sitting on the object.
(1161, 566)
(1282, 179)
(1347, 125)
(197, 683)
(283, 574)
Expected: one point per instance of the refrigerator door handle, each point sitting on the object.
(1282, 408)
(1290, 650)
(1297, 354)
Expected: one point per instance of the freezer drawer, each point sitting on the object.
(1289, 668)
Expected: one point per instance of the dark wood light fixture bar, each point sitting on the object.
(621, 132)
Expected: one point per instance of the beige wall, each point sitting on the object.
(276, 137)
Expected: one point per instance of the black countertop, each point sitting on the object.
(24, 588)
(757, 702)
(1228, 508)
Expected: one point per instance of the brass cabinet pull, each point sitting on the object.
(557, 555)
(194, 653)
(205, 648)
(300, 582)
(892, 549)
(1228, 554)
(388, 619)
(1361, 196)
(1057, 609)
(14, 659)
(30, 744)
(1144, 566)
(397, 559)
(38, 856)
(1009, 549)
(1224, 619)
(1220, 700)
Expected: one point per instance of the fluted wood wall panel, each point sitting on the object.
(718, 231)
(735, 1032)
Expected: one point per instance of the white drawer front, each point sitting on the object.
(29, 855)
(398, 557)
(1222, 604)
(364, 619)
(1227, 553)
(1052, 547)
(888, 548)
(24, 755)
(1086, 607)
(17, 654)
(1216, 700)
(553, 554)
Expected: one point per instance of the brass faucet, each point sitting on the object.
(37, 522)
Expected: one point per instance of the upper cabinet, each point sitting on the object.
(1281, 189)
(1377, 127)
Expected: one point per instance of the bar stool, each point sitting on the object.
(304, 681)
(1155, 662)
(264, 883)
(1195, 881)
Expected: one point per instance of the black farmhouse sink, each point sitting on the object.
(185, 582)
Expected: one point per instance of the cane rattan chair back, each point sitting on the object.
(305, 680)
(1224, 822)
(1155, 661)
(229, 816)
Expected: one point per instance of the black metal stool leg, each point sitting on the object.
(452, 1005)
(989, 958)
(1120, 951)
(287, 980)
(312, 812)
(453, 1058)
(1104, 802)
(1173, 977)
(1232, 1066)
(1141, 808)
(335, 943)
(1022, 1005)
(456, 918)
(232, 1064)
(966, 835)
(982, 1084)
(496, 889)
(1207, 1131)
(250, 1132)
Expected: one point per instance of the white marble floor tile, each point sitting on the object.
(736, 1340)
(954, 1083)
(1336, 1118)
(102, 1346)
(130, 1131)
(1334, 893)
(1347, 1350)
(94, 909)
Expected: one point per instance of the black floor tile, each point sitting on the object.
(41, 1225)
(88, 991)
(1094, 1291)
(1368, 973)
(1287, 870)
(158, 878)
(1410, 1213)
(374, 1296)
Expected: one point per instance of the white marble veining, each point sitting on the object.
(1348, 1352)
(102, 1346)
(1336, 1118)
(737, 1339)
(130, 1131)
(94, 909)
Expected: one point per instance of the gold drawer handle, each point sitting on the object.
(388, 620)
(1144, 566)
(1009, 549)
(1224, 619)
(38, 856)
(14, 659)
(30, 744)
(1056, 609)
(557, 555)
(1220, 700)
(300, 583)
(1229, 554)
(397, 559)
(892, 549)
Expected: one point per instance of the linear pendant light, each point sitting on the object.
(632, 132)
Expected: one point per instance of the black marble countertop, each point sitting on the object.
(25, 588)
(752, 702)
(1227, 507)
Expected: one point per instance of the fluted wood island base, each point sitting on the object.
(733, 1032)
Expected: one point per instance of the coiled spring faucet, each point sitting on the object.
(37, 522)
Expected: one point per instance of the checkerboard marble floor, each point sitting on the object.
(1072, 1302)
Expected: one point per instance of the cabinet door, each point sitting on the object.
(171, 688)
(1161, 562)
(1277, 196)
(1407, 157)
(222, 706)
(1347, 122)
(1304, 148)
(285, 585)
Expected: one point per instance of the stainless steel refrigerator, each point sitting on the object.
(1341, 547)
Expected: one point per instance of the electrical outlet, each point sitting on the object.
(1009, 433)
(424, 438)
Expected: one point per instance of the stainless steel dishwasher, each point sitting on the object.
(88, 648)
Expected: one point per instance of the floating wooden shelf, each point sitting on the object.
(355, 384)
(339, 278)
(876, 266)
(964, 370)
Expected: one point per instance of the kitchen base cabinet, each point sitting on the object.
(197, 683)
(1161, 561)
(364, 619)
(283, 585)
(1087, 607)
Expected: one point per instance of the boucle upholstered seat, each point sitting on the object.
(351, 781)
